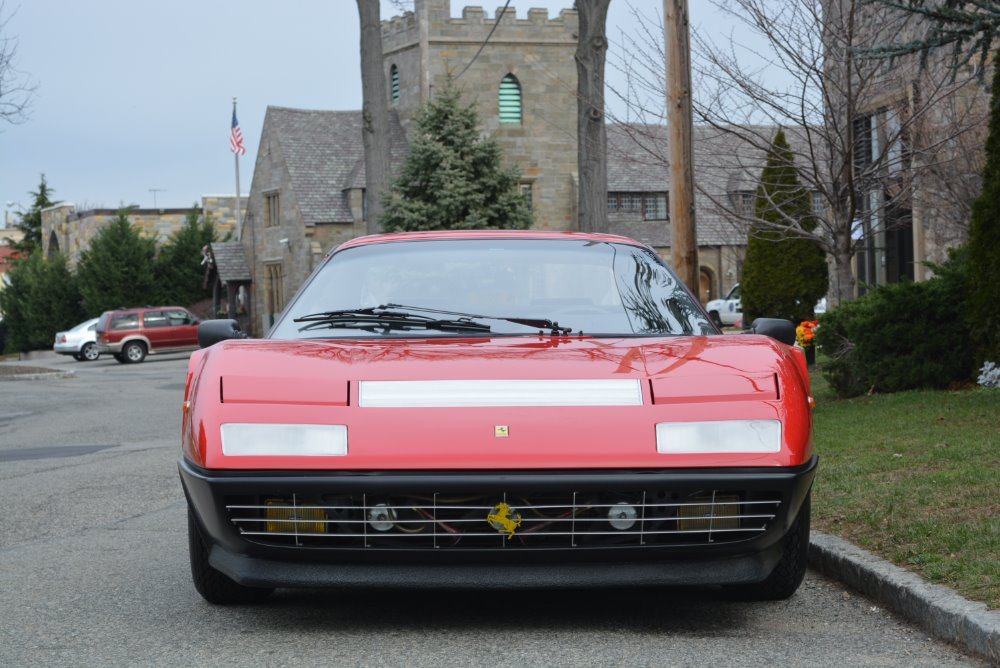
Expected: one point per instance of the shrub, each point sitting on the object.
(901, 336)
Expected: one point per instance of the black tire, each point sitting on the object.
(134, 352)
(88, 353)
(78, 357)
(716, 320)
(791, 569)
(213, 586)
(118, 357)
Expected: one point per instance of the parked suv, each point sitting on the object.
(131, 334)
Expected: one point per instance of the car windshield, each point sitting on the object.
(489, 287)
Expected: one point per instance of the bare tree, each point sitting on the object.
(592, 161)
(855, 124)
(375, 112)
(16, 88)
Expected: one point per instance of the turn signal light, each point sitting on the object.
(705, 515)
(283, 518)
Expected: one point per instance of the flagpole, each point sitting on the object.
(236, 156)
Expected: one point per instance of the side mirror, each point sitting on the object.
(211, 332)
(776, 328)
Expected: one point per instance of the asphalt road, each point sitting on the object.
(94, 572)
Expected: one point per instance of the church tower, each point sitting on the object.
(523, 83)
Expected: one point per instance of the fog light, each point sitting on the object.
(622, 516)
(704, 514)
(283, 518)
(381, 517)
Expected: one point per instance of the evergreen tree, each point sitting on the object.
(117, 270)
(784, 275)
(984, 245)
(179, 268)
(42, 299)
(452, 177)
(30, 221)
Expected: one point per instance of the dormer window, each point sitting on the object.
(394, 84)
(510, 100)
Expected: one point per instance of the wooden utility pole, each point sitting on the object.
(592, 138)
(683, 236)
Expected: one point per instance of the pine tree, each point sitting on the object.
(42, 299)
(30, 221)
(117, 270)
(984, 245)
(179, 268)
(784, 274)
(452, 177)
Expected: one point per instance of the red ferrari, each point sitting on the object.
(496, 409)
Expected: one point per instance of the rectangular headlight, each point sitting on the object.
(720, 436)
(284, 440)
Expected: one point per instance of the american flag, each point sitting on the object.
(236, 137)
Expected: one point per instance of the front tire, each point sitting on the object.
(791, 569)
(89, 352)
(213, 586)
(119, 358)
(134, 352)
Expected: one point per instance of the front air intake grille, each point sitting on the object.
(503, 521)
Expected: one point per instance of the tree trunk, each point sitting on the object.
(843, 254)
(375, 113)
(592, 138)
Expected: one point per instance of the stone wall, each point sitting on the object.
(67, 231)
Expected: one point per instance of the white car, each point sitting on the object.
(727, 311)
(80, 342)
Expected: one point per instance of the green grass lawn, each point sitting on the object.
(915, 478)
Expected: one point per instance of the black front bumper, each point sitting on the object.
(528, 561)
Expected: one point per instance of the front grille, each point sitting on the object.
(553, 520)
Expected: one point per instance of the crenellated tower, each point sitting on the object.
(523, 83)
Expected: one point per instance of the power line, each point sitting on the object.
(496, 23)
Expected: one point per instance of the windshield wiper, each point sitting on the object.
(380, 318)
(539, 323)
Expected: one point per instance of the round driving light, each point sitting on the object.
(381, 517)
(622, 516)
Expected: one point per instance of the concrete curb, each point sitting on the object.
(938, 610)
(37, 376)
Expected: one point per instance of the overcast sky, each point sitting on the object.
(136, 95)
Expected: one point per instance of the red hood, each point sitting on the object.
(681, 378)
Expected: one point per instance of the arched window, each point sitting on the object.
(53, 245)
(394, 84)
(510, 100)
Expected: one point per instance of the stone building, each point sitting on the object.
(68, 231)
(307, 194)
(307, 197)
(919, 128)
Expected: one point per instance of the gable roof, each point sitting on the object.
(322, 151)
(230, 261)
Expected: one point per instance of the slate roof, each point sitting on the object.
(230, 262)
(324, 154)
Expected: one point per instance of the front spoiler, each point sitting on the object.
(257, 565)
